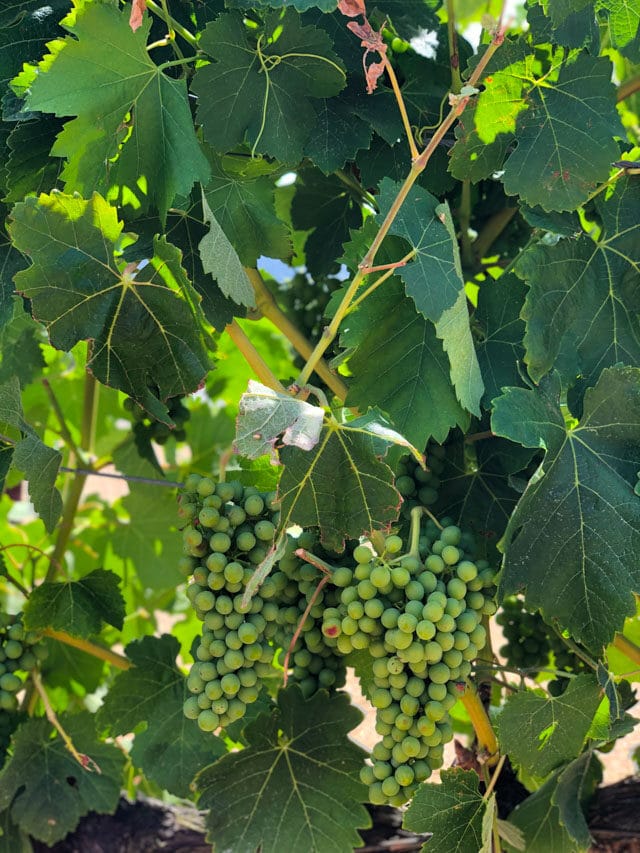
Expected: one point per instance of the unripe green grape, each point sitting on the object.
(390, 787)
(359, 640)
(451, 535)
(478, 636)
(409, 705)
(414, 653)
(433, 652)
(414, 591)
(466, 571)
(380, 576)
(220, 542)
(366, 775)
(471, 652)
(437, 692)
(450, 555)
(435, 710)
(467, 621)
(426, 726)
(415, 687)
(205, 600)
(475, 600)
(207, 670)
(407, 623)
(489, 607)
(454, 607)
(403, 722)
(223, 525)
(10, 682)
(245, 541)
(348, 594)
(389, 618)
(411, 746)
(341, 576)
(457, 588)
(208, 721)
(393, 544)
(433, 611)
(400, 577)
(445, 640)
(233, 621)
(191, 709)
(230, 684)
(460, 640)
(204, 703)
(446, 624)
(28, 661)
(208, 516)
(13, 649)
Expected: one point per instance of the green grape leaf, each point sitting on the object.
(500, 333)
(557, 163)
(220, 258)
(559, 10)
(295, 787)
(433, 279)
(133, 130)
(145, 326)
(263, 82)
(579, 30)
(572, 537)
(548, 815)
(266, 416)
(473, 158)
(185, 228)
(341, 486)
(576, 784)
(241, 198)
(541, 732)
(78, 607)
(478, 488)
(29, 167)
(414, 389)
(337, 135)
(624, 25)
(330, 208)
(45, 787)
(25, 29)
(12, 839)
(410, 18)
(39, 463)
(149, 541)
(299, 5)
(71, 668)
(170, 749)
(452, 810)
(488, 820)
(11, 262)
(583, 304)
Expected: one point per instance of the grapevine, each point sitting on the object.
(369, 272)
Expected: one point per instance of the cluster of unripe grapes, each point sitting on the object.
(419, 486)
(530, 642)
(228, 531)
(419, 616)
(20, 651)
(146, 429)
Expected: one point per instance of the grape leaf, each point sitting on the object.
(12, 839)
(473, 158)
(45, 787)
(540, 819)
(541, 732)
(262, 84)
(71, 668)
(340, 486)
(300, 5)
(410, 18)
(265, 415)
(144, 325)
(557, 164)
(500, 347)
(576, 783)
(125, 106)
(171, 749)
(295, 787)
(77, 607)
(452, 811)
(580, 29)
(583, 303)
(220, 258)
(25, 29)
(433, 279)
(29, 167)
(241, 198)
(624, 25)
(11, 262)
(185, 228)
(149, 542)
(574, 536)
(330, 208)
(337, 135)
(39, 463)
(477, 488)
(414, 388)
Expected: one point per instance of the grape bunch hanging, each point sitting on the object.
(530, 643)
(229, 529)
(20, 651)
(419, 616)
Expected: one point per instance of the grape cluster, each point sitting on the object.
(20, 651)
(146, 429)
(229, 529)
(419, 487)
(420, 619)
(530, 642)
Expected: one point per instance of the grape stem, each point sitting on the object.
(458, 104)
(93, 649)
(172, 23)
(494, 777)
(325, 568)
(85, 761)
(269, 308)
(64, 429)
(31, 548)
(75, 491)
(480, 721)
(628, 648)
(253, 357)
